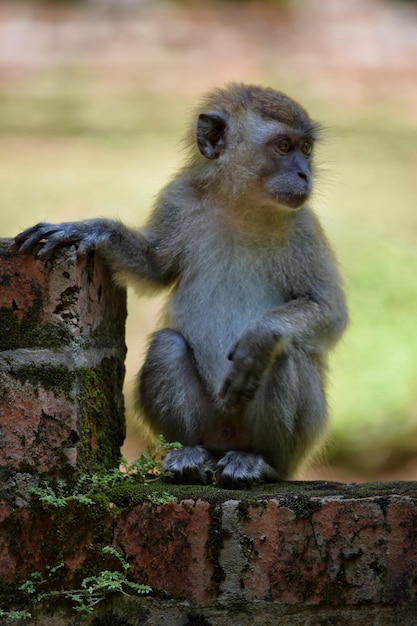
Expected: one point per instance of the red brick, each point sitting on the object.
(166, 547)
(61, 363)
(332, 550)
(39, 428)
(292, 548)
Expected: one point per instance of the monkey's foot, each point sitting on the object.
(242, 470)
(191, 465)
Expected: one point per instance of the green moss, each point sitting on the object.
(214, 545)
(66, 530)
(28, 328)
(246, 504)
(102, 415)
(296, 495)
(52, 378)
(111, 619)
(130, 493)
(30, 331)
(197, 619)
(10, 596)
(107, 336)
(73, 532)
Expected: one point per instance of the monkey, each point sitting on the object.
(237, 371)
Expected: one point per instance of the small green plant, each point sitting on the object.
(30, 586)
(146, 469)
(57, 495)
(17, 615)
(93, 589)
(161, 498)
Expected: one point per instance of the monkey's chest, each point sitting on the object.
(218, 296)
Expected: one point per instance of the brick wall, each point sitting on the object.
(296, 554)
(61, 364)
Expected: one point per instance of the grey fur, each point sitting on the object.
(190, 465)
(238, 371)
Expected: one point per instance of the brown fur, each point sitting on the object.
(268, 103)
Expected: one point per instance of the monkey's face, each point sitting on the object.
(286, 172)
(262, 160)
(279, 159)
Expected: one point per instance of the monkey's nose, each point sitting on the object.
(303, 176)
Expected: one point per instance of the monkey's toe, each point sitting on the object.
(191, 465)
(243, 470)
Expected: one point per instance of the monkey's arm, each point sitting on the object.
(304, 323)
(313, 320)
(142, 254)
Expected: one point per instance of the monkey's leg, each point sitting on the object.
(174, 401)
(287, 415)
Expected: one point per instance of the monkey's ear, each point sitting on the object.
(211, 134)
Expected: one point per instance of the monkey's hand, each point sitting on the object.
(251, 358)
(43, 238)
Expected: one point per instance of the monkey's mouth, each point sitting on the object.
(292, 201)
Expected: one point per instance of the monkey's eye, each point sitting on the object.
(307, 147)
(283, 145)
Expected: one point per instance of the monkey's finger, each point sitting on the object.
(26, 234)
(31, 246)
(227, 395)
(237, 393)
(233, 397)
(50, 245)
(29, 240)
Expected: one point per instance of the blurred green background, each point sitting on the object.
(94, 100)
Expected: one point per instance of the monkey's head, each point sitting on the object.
(257, 143)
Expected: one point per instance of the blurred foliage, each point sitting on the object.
(70, 150)
(131, 4)
(64, 103)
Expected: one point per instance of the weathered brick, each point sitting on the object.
(167, 547)
(61, 363)
(339, 549)
(292, 547)
(314, 550)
